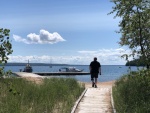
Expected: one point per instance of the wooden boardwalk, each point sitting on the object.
(95, 100)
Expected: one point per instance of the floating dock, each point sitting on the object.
(60, 73)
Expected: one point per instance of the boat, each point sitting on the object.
(28, 68)
(69, 69)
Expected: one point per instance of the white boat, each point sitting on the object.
(69, 69)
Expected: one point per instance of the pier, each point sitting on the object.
(60, 73)
(39, 74)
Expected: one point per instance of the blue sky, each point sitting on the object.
(62, 31)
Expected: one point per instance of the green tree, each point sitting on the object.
(5, 49)
(134, 26)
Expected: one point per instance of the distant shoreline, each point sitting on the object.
(48, 64)
(34, 64)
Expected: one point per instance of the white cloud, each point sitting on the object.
(19, 39)
(44, 37)
(105, 56)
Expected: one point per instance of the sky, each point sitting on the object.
(62, 31)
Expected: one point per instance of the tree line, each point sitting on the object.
(135, 62)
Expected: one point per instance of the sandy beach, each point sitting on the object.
(38, 80)
(100, 84)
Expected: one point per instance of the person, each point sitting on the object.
(95, 69)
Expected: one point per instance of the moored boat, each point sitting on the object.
(69, 69)
(28, 68)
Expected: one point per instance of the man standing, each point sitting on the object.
(95, 68)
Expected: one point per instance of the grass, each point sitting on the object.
(131, 93)
(55, 95)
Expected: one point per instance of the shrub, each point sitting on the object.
(132, 93)
(54, 95)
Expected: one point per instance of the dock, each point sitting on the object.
(60, 73)
(39, 74)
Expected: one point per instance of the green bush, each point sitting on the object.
(55, 95)
(131, 93)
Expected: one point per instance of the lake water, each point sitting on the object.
(109, 72)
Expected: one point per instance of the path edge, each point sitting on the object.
(77, 102)
(112, 102)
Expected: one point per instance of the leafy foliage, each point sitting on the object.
(5, 48)
(131, 93)
(135, 62)
(134, 26)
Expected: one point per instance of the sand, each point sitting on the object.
(100, 84)
(39, 80)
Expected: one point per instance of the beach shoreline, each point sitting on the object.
(39, 80)
(100, 84)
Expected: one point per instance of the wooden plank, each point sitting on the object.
(94, 101)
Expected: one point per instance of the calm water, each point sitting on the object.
(109, 72)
